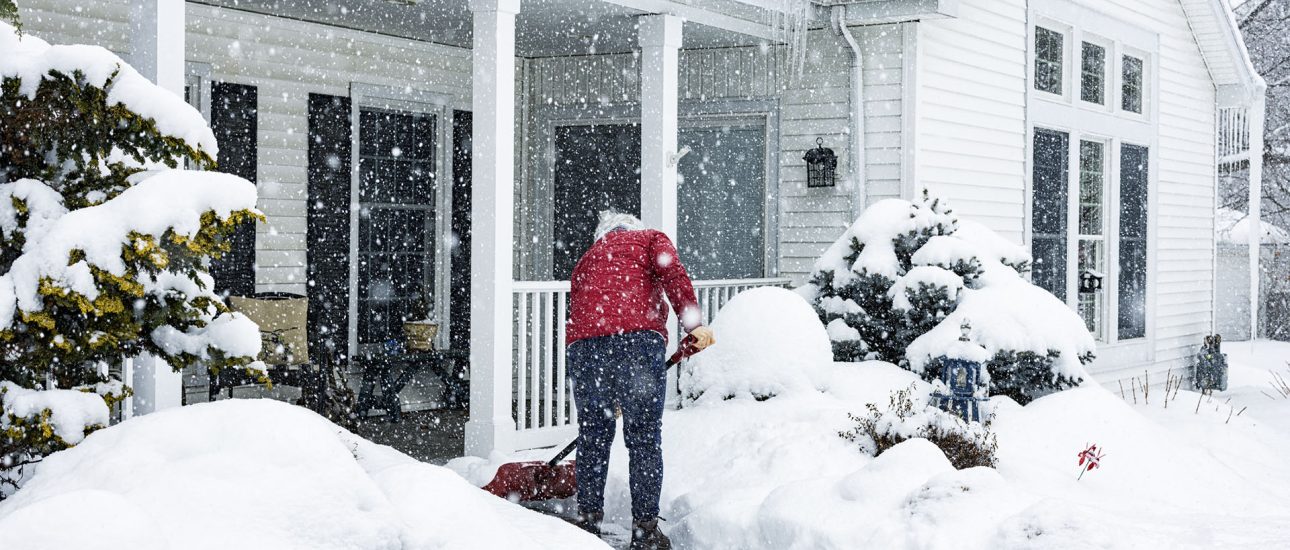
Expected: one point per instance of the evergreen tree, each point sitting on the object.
(85, 277)
(900, 272)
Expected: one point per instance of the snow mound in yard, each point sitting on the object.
(258, 475)
(769, 342)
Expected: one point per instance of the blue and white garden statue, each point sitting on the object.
(961, 387)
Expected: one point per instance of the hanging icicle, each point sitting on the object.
(789, 23)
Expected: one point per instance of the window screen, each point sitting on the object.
(1133, 242)
(1048, 213)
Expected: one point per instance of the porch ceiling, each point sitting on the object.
(543, 27)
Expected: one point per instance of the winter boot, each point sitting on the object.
(647, 536)
(589, 522)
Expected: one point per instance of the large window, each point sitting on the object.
(1053, 241)
(395, 253)
(1049, 55)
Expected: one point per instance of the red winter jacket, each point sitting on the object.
(618, 286)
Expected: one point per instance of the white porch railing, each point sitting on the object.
(542, 395)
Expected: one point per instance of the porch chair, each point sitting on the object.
(282, 317)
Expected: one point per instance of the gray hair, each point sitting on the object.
(611, 220)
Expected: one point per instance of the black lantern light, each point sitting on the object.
(821, 165)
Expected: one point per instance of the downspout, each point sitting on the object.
(856, 100)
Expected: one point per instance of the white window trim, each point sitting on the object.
(1114, 126)
(416, 101)
(197, 76)
(1067, 33)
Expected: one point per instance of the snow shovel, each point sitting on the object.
(550, 479)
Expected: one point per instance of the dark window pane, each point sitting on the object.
(1093, 71)
(396, 221)
(1131, 85)
(597, 167)
(1132, 313)
(722, 202)
(1048, 60)
(1048, 216)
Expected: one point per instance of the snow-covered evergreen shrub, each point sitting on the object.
(965, 444)
(103, 251)
(901, 281)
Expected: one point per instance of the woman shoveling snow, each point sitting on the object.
(617, 338)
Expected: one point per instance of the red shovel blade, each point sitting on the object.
(534, 480)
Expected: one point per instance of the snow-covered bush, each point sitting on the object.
(104, 251)
(901, 281)
(769, 341)
(965, 444)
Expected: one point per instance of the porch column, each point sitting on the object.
(157, 42)
(660, 41)
(492, 213)
(157, 52)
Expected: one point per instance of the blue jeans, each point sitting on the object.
(620, 371)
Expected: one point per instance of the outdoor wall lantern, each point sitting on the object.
(821, 165)
(1090, 281)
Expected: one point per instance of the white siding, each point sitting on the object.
(971, 139)
(971, 112)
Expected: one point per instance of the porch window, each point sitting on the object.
(1133, 242)
(396, 190)
(1048, 60)
(1131, 84)
(1092, 73)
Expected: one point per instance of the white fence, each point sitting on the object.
(543, 396)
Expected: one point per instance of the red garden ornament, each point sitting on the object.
(1089, 459)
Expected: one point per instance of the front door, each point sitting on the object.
(721, 193)
(597, 167)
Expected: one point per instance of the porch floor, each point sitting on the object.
(433, 436)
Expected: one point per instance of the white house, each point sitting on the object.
(462, 147)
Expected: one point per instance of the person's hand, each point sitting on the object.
(703, 337)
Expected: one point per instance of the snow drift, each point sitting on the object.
(258, 474)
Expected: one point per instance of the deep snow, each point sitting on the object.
(258, 474)
(769, 474)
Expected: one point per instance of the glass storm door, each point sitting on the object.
(721, 196)
(395, 249)
(597, 167)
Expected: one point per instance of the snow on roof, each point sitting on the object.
(1234, 227)
(1214, 27)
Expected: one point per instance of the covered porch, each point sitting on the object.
(466, 196)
